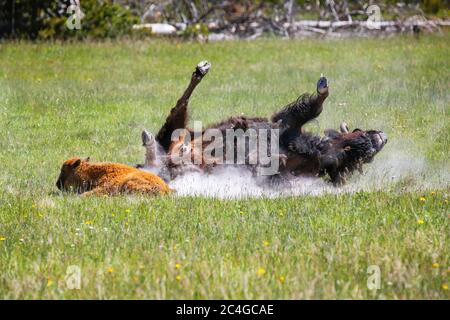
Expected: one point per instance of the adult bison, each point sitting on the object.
(177, 149)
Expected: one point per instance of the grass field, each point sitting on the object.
(93, 99)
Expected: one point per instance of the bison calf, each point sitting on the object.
(108, 178)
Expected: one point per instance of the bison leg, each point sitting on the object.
(304, 109)
(155, 159)
(177, 118)
(149, 143)
(96, 192)
(141, 186)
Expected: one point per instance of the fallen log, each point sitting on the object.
(381, 24)
(157, 28)
(315, 26)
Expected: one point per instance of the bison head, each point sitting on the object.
(70, 177)
(343, 152)
(378, 139)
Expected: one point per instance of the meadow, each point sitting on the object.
(59, 100)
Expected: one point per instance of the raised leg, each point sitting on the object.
(177, 118)
(305, 108)
(149, 143)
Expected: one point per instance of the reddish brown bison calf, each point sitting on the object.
(88, 178)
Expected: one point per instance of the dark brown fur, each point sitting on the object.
(336, 154)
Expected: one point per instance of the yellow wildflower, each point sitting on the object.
(177, 265)
(435, 265)
(420, 221)
(178, 278)
(2, 238)
(127, 210)
(445, 286)
(110, 270)
(89, 222)
(266, 243)
(422, 199)
(49, 282)
(261, 271)
(282, 279)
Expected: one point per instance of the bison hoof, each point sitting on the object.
(202, 68)
(147, 138)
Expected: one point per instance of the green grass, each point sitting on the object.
(93, 99)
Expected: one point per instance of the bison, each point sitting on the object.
(298, 153)
(88, 178)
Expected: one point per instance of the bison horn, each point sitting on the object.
(344, 127)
